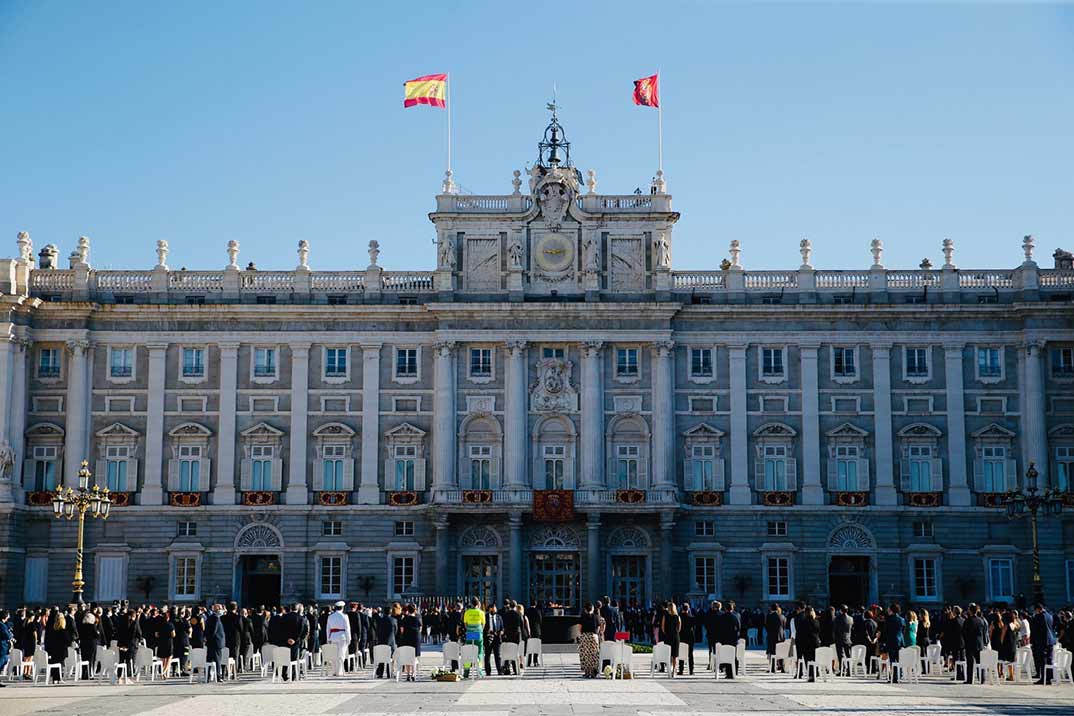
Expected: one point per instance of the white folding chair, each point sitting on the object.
(933, 659)
(1060, 667)
(751, 635)
(199, 661)
(266, 659)
(228, 663)
(330, 660)
(406, 656)
(144, 660)
(986, 669)
(661, 656)
(382, 656)
(282, 663)
(908, 666)
(13, 668)
(781, 656)
(253, 659)
(534, 647)
(1023, 664)
(73, 664)
(509, 653)
(41, 664)
(856, 660)
(110, 666)
(821, 664)
(468, 659)
(740, 655)
(724, 654)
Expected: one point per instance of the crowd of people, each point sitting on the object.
(170, 632)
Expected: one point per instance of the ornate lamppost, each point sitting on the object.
(1030, 501)
(69, 503)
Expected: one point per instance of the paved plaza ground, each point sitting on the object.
(554, 688)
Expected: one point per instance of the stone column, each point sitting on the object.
(812, 489)
(514, 524)
(958, 487)
(885, 454)
(740, 479)
(592, 477)
(442, 536)
(516, 436)
(152, 488)
(369, 489)
(224, 491)
(74, 448)
(17, 424)
(1035, 425)
(297, 490)
(10, 471)
(593, 555)
(663, 429)
(444, 417)
(667, 537)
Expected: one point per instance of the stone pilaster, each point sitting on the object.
(17, 421)
(514, 525)
(885, 454)
(593, 553)
(10, 471)
(812, 488)
(443, 536)
(667, 536)
(224, 491)
(1034, 421)
(369, 489)
(516, 436)
(663, 429)
(75, 406)
(444, 477)
(592, 477)
(297, 489)
(740, 482)
(152, 487)
(958, 491)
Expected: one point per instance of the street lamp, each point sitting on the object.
(97, 501)
(1031, 501)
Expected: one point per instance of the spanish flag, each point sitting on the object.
(430, 89)
(647, 91)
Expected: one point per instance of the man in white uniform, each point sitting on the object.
(339, 633)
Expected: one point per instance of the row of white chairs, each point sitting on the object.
(510, 653)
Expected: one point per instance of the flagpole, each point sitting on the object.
(447, 87)
(659, 124)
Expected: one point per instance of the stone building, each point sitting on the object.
(553, 413)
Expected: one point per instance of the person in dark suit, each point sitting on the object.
(974, 638)
(687, 635)
(894, 628)
(215, 640)
(1041, 639)
(727, 630)
(612, 620)
(711, 621)
(385, 627)
(775, 625)
(232, 622)
(842, 626)
(807, 638)
(493, 639)
(536, 619)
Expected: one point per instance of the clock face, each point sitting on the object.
(554, 252)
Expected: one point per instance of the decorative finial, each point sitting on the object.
(374, 252)
(659, 185)
(233, 255)
(162, 254)
(926, 265)
(303, 254)
(735, 251)
(26, 247)
(516, 182)
(1027, 247)
(806, 249)
(449, 183)
(83, 249)
(948, 254)
(591, 182)
(877, 248)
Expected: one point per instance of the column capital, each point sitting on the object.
(156, 347)
(737, 350)
(514, 520)
(663, 348)
(441, 522)
(953, 350)
(228, 347)
(592, 349)
(371, 347)
(809, 350)
(1033, 347)
(881, 348)
(444, 349)
(78, 346)
(593, 521)
(667, 521)
(515, 346)
(300, 349)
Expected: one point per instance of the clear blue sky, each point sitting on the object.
(271, 122)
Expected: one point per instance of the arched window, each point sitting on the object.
(117, 467)
(554, 443)
(628, 453)
(262, 465)
(333, 469)
(188, 469)
(775, 469)
(480, 452)
(920, 466)
(404, 469)
(994, 466)
(848, 466)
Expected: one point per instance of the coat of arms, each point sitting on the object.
(553, 391)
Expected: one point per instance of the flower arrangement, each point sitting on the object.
(441, 674)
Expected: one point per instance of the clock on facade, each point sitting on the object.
(554, 252)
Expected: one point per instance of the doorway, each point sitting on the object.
(481, 577)
(848, 581)
(260, 579)
(628, 580)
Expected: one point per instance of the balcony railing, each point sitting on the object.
(476, 497)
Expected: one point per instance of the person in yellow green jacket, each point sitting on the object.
(473, 622)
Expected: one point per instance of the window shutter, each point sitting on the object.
(904, 469)
(689, 477)
(101, 472)
(204, 474)
(718, 473)
(419, 475)
(863, 474)
(28, 467)
(348, 474)
(792, 474)
(538, 473)
(277, 474)
(833, 474)
(936, 474)
(978, 474)
(568, 471)
(389, 475)
(643, 470)
(173, 476)
(132, 475)
(318, 475)
(494, 473)
(246, 476)
(758, 471)
(1011, 470)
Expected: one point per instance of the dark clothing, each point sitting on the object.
(774, 631)
(612, 621)
(215, 642)
(974, 639)
(842, 626)
(512, 626)
(409, 632)
(165, 632)
(1042, 639)
(807, 639)
(536, 619)
(56, 643)
(232, 624)
(688, 635)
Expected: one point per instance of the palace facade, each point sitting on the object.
(553, 413)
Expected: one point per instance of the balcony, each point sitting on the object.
(626, 497)
(485, 497)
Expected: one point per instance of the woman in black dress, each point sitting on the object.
(807, 638)
(408, 633)
(89, 636)
(128, 639)
(165, 632)
(181, 645)
(670, 628)
(57, 638)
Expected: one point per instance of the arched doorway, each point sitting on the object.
(555, 568)
(258, 570)
(479, 564)
(852, 577)
(629, 563)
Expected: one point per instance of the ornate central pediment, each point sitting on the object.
(553, 391)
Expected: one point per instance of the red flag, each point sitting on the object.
(647, 91)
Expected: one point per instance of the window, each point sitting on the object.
(408, 300)
(404, 528)
(189, 468)
(36, 587)
(920, 459)
(264, 362)
(331, 528)
(195, 300)
(771, 300)
(775, 467)
(922, 530)
(337, 299)
(989, 363)
(700, 362)
(193, 363)
(846, 468)
(481, 467)
(45, 463)
(703, 466)
(777, 529)
(772, 363)
(331, 576)
(1063, 362)
(480, 362)
(844, 363)
(186, 529)
(116, 457)
(48, 363)
(925, 586)
(121, 363)
(705, 574)
(994, 468)
(1064, 467)
(704, 528)
(186, 577)
(406, 363)
(1001, 580)
(335, 362)
(626, 362)
(555, 457)
(124, 300)
(843, 299)
(626, 471)
(917, 362)
(261, 467)
(984, 300)
(402, 575)
(779, 577)
(406, 457)
(553, 352)
(333, 467)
